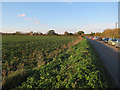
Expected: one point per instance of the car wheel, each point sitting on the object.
(116, 46)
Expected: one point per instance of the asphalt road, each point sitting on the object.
(110, 59)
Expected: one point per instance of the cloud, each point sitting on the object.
(37, 22)
(21, 15)
(44, 25)
(28, 19)
(98, 27)
(41, 24)
(34, 20)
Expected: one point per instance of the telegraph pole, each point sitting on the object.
(116, 26)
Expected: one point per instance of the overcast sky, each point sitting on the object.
(61, 16)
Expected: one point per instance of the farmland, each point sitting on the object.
(21, 53)
(50, 62)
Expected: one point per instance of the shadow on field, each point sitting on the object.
(16, 79)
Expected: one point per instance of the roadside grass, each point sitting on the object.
(110, 80)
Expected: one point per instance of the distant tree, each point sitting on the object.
(92, 34)
(66, 33)
(51, 32)
(40, 33)
(80, 32)
(70, 33)
(111, 33)
(75, 34)
(17, 33)
(35, 33)
(31, 31)
(97, 34)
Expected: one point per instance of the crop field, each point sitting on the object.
(50, 62)
(21, 53)
(78, 67)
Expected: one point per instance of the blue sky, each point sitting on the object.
(61, 16)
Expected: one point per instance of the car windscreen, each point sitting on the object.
(118, 40)
(114, 39)
(110, 39)
(104, 38)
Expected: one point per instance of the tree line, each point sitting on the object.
(50, 32)
(110, 33)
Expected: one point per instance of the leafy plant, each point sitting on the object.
(67, 71)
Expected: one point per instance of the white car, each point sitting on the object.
(117, 43)
(112, 41)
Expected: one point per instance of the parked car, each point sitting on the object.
(99, 39)
(105, 39)
(92, 37)
(95, 38)
(117, 43)
(112, 41)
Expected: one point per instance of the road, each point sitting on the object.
(110, 59)
(113, 47)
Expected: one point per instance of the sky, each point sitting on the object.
(60, 16)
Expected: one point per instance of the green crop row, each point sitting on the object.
(78, 67)
(17, 50)
(20, 54)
